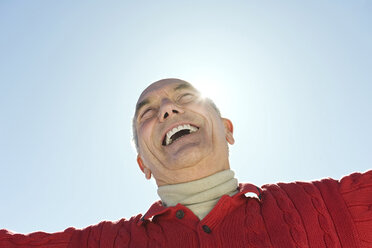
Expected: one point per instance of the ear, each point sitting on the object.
(229, 129)
(143, 168)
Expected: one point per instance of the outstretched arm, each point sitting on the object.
(36, 239)
(356, 190)
(104, 234)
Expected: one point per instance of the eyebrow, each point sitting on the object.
(146, 101)
(141, 104)
(183, 86)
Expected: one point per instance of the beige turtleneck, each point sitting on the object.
(201, 195)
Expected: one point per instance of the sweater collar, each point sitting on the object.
(200, 196)
(157, 208)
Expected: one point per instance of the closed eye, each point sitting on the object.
(147, 113)
(185, 98)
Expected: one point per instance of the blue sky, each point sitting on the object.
(294, 77)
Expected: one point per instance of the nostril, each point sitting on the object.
(174, 111)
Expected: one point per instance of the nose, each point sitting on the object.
(168, 109)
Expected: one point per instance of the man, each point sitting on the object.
(182, 141)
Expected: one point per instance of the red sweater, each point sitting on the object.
(325, 213)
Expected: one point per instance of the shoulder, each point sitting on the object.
(107, 233)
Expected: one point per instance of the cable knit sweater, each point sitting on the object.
(325, 213)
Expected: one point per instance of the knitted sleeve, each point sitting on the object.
(36, 239)
(326, 213)
(356, 190)
(104, 234)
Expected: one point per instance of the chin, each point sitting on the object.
(188, 155)
(185, 161)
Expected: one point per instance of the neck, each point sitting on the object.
(201, 195)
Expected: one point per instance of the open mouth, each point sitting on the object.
(177, 133)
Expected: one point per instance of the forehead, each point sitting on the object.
(161, 87)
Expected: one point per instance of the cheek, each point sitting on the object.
(144, 132)
(217, 127)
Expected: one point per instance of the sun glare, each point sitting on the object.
(209, 88)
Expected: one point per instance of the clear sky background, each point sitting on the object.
(293, 76)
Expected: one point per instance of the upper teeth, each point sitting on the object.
(168, 139)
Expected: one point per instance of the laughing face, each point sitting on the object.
(181, 136)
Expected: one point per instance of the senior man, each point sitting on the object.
(182, 141)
